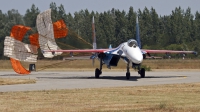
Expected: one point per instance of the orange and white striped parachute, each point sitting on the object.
(19, 51)
(45, 39)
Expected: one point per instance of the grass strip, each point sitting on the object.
(157, 98)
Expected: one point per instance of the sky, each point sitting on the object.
(162, 7)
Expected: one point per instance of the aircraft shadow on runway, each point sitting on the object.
(132, 78)
(102, 77)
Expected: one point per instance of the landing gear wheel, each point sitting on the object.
(127, 75)
(97, 73)
(142, 73)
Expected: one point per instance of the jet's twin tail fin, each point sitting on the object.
(138, 33)
(94, 34)
(94, 42)
(110, 46)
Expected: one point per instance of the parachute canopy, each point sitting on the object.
(45, 39)
(18, 32)
(46, 34)
(17, 67)
(60, 29)
(19, 51)
(34, 39)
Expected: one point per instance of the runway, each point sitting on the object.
(85, 79)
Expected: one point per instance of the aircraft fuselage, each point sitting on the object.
(129, 50)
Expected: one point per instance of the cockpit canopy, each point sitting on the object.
(132, 43)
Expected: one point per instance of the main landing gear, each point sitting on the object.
(128, 71)
(141, 71)
(98, 72)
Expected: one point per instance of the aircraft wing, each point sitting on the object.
(80, 50)
(168, 51)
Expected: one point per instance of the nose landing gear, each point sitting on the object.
(142, 72)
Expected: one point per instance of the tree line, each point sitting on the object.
(177, 31)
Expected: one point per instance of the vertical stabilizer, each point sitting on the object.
(138, 32)
(94, 42)
(110, 46)
(93, 34)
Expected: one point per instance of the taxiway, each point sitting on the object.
(85, 79)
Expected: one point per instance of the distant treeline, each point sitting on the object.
(178, 31)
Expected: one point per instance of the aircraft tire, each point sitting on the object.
(142, 73)
(97, 73)
(128, 75)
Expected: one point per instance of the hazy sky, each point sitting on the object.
(163, 7)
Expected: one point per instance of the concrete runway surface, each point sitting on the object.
(85, 79)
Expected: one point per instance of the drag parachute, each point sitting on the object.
(18, 68)
(34, 39)
(46, 34)
(19, 51)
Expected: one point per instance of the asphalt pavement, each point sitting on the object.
(85, 79)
